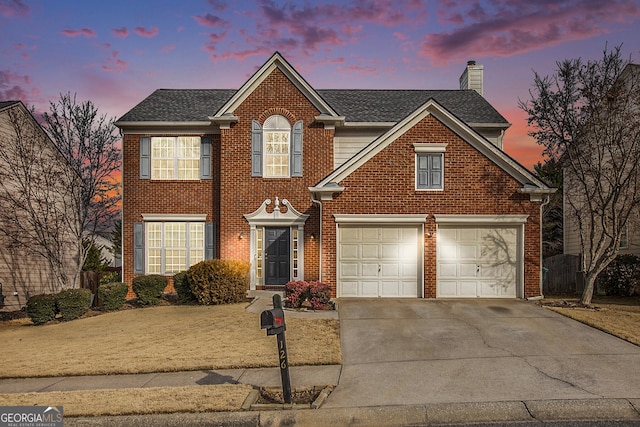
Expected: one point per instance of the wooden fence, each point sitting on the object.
(561, 272)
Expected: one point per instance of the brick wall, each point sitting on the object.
(473, 185)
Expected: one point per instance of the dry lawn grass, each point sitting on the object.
(161, 339)
(617, 316)
(135, 401)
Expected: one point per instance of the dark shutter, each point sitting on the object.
(256, 149)
(145, 157)
(296, 149)
(138, 248)
(210, 240)
(205, 157)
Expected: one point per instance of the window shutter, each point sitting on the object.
(256, 149)
(210, 240)
(296, 149)
(145, 157)
(423, 171)
(138, 248)
(205, 157)
(435, 176)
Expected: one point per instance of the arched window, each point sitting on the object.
(277, 142)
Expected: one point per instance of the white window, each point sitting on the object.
(430, 166)
(175, 157)
(173, 246)
(277, 142)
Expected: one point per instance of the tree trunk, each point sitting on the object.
(587, 293)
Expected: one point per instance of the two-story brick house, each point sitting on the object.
(402, 193)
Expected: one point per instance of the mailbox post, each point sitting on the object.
(273, 321)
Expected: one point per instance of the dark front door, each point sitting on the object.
(277, 256)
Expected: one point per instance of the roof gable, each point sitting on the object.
(275, 62)
(529, 181)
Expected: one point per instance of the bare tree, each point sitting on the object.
(34, 206)
(586, 117)
(89, 143)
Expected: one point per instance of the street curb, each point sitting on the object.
(387, 416)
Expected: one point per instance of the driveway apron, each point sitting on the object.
(415, 351)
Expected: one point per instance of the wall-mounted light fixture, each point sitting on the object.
(431, 234)
(313, 235)
(241, 235)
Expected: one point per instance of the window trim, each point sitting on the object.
(428, 150)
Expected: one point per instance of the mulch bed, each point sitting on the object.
(302, 396)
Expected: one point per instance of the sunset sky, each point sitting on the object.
(115, 53)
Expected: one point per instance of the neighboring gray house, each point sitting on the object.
(30, 163)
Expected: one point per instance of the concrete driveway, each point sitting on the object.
(412, 351)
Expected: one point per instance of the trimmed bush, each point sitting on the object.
(73, 303)
(181, 285)
(149, 288)
(315, 295)
(112, 295)
(41, 308)
(219, 281)
(622, 276)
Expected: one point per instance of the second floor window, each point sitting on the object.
(277, 134)
(175, 157)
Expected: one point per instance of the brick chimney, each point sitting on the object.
(472, 77)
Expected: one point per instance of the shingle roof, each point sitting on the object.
(357, 105)
(5, 104)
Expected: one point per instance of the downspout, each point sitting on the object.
(545, 201)
(319, 203)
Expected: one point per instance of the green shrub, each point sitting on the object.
(41, 308)
(149, 288)
(181, 285)
(622, 276)
(219, 281)
(112, 295)
(112, 277)
(73, 303)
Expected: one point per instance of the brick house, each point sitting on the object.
(403, 193)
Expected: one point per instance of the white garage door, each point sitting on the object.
(378, 261)
(477, 262)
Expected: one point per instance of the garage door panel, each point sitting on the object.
(467, 269)
(448, 270)
(386, 259)
(468, 251)
(350, 251)
(447, 288)
(349, 288)
(468, 288)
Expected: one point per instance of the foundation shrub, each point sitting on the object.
(315, 295)
(181, 285)
(112, 295)
(149, 288)
(622, 276)
(73, 303)
(219, 281)
(41, 308)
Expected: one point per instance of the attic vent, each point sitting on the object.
(472, 77)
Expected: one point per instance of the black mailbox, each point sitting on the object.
(273, 321)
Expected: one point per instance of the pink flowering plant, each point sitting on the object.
(315, 295)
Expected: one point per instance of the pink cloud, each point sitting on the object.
(86, 32)
(14, 8)
(168, 48)
(209, 20)
(143, 32)
(114, 64)
(218, 5)
(14, 86)
(122, 33)
(399, 36)
(505, 27)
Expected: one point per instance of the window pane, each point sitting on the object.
(175, 260)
